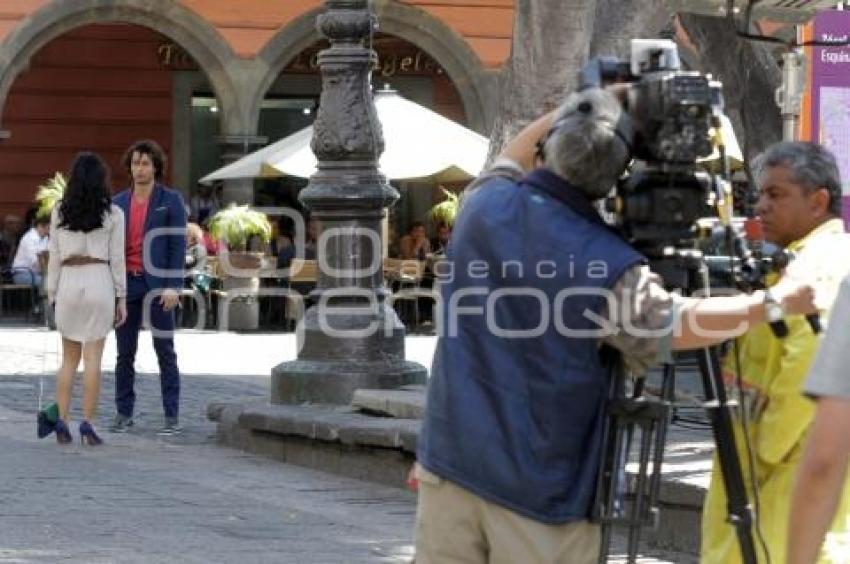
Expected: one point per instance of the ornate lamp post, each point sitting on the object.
(351, 338)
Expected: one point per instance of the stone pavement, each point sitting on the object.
(144, 498)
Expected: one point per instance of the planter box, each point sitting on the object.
(239, 305)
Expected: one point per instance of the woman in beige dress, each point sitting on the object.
(86, 283)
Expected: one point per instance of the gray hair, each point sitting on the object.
(811, 166)
(588, 144)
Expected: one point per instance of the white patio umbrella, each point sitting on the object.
(255, 165)
(419, 143)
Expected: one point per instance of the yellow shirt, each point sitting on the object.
(773, 372)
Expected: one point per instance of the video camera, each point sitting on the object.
(672, 109)
(674, 113)
(669, 204)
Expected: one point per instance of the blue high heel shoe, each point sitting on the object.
(63, 434)
(88, 436)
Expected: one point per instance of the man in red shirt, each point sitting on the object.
(155, 253)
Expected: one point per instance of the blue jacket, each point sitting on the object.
(518, 420)
(167, 251)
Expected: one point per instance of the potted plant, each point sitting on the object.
(446, 211)
(237, 227)
(49, 194)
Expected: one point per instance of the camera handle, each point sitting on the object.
(780, 260)
(780, 328)
(814, 322)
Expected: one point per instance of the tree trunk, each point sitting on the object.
(620, 21)
(750, 76)
(551, 41)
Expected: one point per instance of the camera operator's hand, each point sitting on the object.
(794, 296)
(521, 149)
(709, 321)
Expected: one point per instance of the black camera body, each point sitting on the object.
(673, 113)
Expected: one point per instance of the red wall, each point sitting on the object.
(99, 87)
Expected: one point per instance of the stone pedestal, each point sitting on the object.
(242, 313)
(351, 338)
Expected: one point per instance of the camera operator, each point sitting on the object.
(511, 442)
(821, 492)
(800, 206)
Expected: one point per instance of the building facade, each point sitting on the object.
(212, 80)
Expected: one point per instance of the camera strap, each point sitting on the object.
(553, 185)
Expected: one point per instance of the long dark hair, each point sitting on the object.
(152, 150)
(87, 194)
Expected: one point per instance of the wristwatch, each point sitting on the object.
(773, 310)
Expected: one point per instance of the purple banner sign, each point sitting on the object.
(830, 90)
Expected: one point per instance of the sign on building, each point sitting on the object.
(826, 112)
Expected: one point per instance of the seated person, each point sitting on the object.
(281, 245)
(196, 251)
(210, 244)
(441, 239)
(311, 240)
(415, 244)
(204, 204)
(26, 268)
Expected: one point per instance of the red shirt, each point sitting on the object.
(210, 244)
(136, 234)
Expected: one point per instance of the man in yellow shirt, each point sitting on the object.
(800, 206)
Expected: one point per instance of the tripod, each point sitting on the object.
(635, 411)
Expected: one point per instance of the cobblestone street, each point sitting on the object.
(145, 498)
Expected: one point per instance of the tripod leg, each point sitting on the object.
(640, 494)
(612, 494)
(668, 394)
(606, 486)
(740, 511)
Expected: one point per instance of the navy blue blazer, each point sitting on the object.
(167, 251)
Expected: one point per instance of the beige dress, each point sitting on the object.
(85, 295)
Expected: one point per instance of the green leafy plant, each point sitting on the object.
(446, 211)
(49, 194)
(236, 225)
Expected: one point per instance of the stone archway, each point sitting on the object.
(462, 65)
(196, 36)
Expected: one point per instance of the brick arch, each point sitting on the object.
(195, 35)
(473, 83)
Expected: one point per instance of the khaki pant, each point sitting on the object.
(453, 525)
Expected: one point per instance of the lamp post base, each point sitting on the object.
(334, 382)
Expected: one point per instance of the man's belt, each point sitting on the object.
(78, 260)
